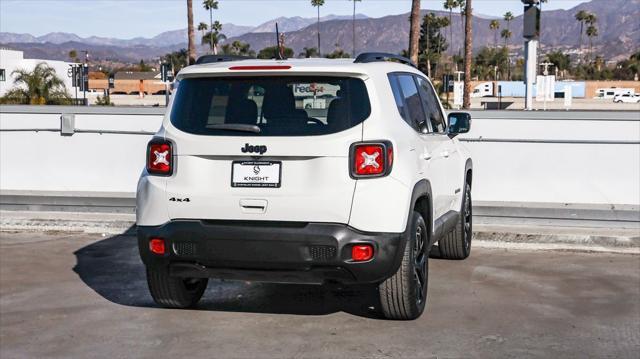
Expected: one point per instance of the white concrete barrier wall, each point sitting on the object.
(552, 157)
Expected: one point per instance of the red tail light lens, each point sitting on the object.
(361, 252)
(371, 159)
(156, 245)
(159, 158)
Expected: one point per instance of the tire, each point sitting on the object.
(404, 295)
(457, 243)
(172, 292)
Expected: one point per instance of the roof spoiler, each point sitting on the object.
(208, 59)
(367, 57)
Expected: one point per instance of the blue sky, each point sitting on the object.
(133, 18)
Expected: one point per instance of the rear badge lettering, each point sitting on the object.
(173, 199)
(254, 149)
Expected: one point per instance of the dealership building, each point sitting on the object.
(11, 60)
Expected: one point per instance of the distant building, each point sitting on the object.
(11, 60)
(132, 83)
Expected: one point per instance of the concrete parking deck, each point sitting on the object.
(84, 295)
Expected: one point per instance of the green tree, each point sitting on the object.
(338, 53)
(177, 60)
(508, 17)
(73, 55)
(592, 32)
(451, 5)
(238, 48)
(432, 42)
(211, 5)
(41, 86)
(214, 37)
(495, 26)
(318, 4)
(581, 17)
(308, 52)
(272, 51)
(490, 63)
(202, 27)
(144, 67)
(506, 35)
(561, 61)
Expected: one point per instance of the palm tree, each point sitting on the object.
(462, 4)
(468, 56)
(211, 5)
(508, 17)
(38, 87)
(414, 32)
(354, 26)
(592, 32)
(202, 27)
(581, 16)
(450, 5)
(506, 35)
(214, 37)
(318, 3)
(495, 26)
(191, 33)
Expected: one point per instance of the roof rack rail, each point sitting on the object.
(208, 59)
(367, 57)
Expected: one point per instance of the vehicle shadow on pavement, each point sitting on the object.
(113, 269)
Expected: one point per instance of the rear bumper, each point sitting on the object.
(280, 252)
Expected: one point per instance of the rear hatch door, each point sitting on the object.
(265, 147)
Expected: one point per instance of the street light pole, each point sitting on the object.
(531, 32)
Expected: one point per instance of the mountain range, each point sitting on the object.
(618, 27)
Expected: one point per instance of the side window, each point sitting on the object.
(397, 95)
(432, 106)
(412, 100)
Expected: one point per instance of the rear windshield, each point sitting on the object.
(277, 106)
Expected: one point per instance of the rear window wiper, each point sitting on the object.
(235, 127)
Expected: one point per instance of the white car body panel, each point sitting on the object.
(316, 184)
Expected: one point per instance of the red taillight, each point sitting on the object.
(371, 159)
(156, 245)
(362, 252)
(159, 158)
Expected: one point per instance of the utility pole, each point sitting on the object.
(85, 77)
(531, 33)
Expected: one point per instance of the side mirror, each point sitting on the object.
(459, 122)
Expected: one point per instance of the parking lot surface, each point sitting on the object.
(78, 295)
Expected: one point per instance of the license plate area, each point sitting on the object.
(256, 174)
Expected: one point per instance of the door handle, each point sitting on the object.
(445, 154)
(426, 156)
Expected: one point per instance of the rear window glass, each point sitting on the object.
(278, 106)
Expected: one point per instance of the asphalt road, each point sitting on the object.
(78, 295)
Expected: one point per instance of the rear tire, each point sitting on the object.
(457, 243)
(172, 292)
(404, 295)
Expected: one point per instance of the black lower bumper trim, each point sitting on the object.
(269, 252)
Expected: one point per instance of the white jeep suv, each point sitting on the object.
(304, 171)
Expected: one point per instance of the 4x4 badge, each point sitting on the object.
(253, 149)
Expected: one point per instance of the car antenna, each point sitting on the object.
(279, 55)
